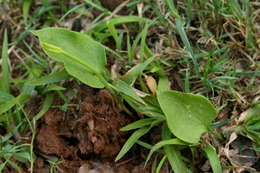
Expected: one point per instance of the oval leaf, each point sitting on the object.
(187, 115)
(83, 57)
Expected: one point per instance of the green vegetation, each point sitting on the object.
(191, 69)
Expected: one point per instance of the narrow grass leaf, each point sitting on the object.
(187, 82)
(188, 115)
(2, 166)
(8, 105)
(46, 105)
(5, 97)
(97, 6)
(172, 8)
(160, 144)
(131, 141)
(134, 72)
(213, 158)
(70, 11)
(23, 156)
(5, 68)
(138, 124)
(161, 164)
(129, 49)
(26, 8)
(117, 21)
(186, 42)
(180, 28)
(172, 153)
(142, 45)
(53, 87)
(124, 88)
(51, 78)
(9, 135)
(14, 165)
(112, 30)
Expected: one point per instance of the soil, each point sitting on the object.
(111, 4)
(87, 139)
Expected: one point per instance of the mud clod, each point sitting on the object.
(93, 133)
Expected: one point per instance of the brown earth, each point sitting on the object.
(88, 139)
(111, 4)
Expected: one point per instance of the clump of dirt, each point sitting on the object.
(77, 137)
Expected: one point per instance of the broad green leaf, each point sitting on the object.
(160, 144)
(172, 153)
(83, 57)
(51, 78)
(187, 115)
(5, 69)
(131, 141)
(138, 124)
(213, 158)
(163, 84)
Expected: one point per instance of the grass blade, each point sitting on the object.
(70, 11)
(186, 42)
(124, 88)
(173, 154)
(112, 30)
(161, 164)
(138, 124)
(213, 158)
(52, 78)
(26, 7)
(5, 69)
(131, 141)
(116, 21)
(133, 73)
(46, 105)
(17, 100)
(160, 144)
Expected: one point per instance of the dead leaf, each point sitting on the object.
(151, 83)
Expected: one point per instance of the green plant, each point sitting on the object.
(184, 116)
(250, 127)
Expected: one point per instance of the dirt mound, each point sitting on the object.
(91, 133)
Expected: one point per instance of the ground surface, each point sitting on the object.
(80, 131)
